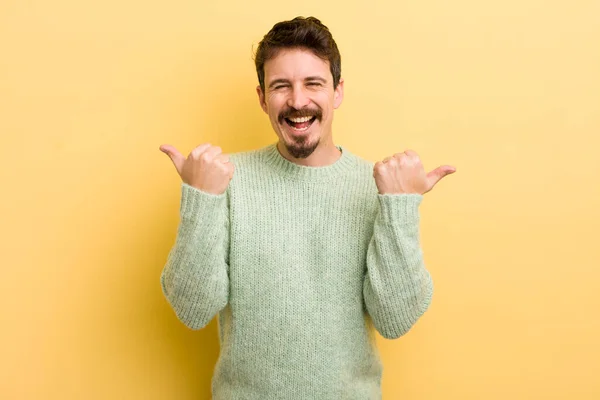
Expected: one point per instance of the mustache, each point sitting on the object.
(303, 112)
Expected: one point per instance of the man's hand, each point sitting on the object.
(205, 168)
(404, 173)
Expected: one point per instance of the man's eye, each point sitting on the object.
(314, 84)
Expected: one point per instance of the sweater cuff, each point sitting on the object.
(400, 208)
(195, 202)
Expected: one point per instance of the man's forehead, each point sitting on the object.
(296, 64)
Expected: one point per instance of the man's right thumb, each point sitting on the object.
(176, 157)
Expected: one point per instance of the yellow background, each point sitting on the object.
(508, 92)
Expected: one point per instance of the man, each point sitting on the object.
(301, 245)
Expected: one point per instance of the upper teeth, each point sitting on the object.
(299, 120)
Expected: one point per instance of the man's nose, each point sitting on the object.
(298, 98)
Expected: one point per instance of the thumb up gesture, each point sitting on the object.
(404, 173)
(206, 168)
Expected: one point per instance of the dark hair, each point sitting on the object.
(306, 33)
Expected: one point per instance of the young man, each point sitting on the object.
(303, 246)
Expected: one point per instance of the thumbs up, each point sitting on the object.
(206, 168)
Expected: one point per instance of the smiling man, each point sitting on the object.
(299, 96)
(302, 248)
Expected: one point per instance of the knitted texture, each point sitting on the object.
(300, 264)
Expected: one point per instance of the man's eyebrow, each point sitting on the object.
(316, 78)
(307, 79)
(277, 81)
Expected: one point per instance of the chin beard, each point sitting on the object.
(301, 149)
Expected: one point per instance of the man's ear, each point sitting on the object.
(338, 94)
(261, 99)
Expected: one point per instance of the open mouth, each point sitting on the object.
(300, 124)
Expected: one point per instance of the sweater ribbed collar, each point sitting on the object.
(289, 169)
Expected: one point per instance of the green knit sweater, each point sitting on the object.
(300, 263)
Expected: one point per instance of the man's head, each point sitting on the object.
(299, 73)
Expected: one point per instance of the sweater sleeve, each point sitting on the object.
(195, 278)
(397, 288)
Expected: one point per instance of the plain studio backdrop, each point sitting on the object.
(508, 92)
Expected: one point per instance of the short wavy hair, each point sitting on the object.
(300, 32)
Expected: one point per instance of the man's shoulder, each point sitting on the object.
(249, 164)
(363, 162)
(362, 165)
(247, 155)
(248, 159)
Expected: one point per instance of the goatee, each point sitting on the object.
(301, 148)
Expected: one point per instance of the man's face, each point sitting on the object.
(299, 98)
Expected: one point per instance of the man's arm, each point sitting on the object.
(397, 288)
(195, 278)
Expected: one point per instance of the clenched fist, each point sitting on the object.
(206, 168)
(404, 173)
